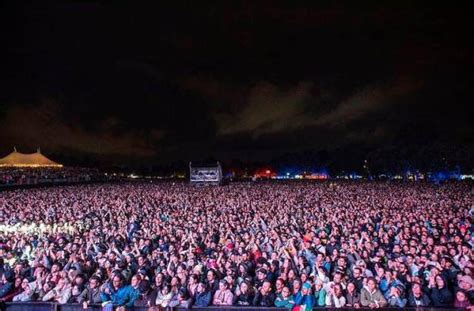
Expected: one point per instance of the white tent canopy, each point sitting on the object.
(18, 159)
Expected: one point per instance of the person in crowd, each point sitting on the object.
(264, 297)
(8, 284)
(202, 296)
(335, 297)
(440, 294)
(461, 300)
(243, 295)
(395, 297)
(60, 293)
(144, 295)
(285, 299)
(76, 292)
(182, 300)
(91, 294)
(418, 298)
(352, 296)
(319, 294)
(466, 283)
(223, 296)
(27, 292)
(163, 297)
(414, 237)
(371, 296)
(117, 294)
(305, 298)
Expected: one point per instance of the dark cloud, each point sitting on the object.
(43, 125)
(233, 79)
(268, 110)
(370, 99)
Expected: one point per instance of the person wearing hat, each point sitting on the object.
(305, 300)
(466, 283)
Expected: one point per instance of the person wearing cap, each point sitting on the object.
(305, 300)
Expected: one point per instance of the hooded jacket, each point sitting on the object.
(367, 297)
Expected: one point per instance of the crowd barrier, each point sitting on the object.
(46, 306)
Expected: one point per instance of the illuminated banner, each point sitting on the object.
(208, 174)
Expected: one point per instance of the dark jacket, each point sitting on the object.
(422, 301)
(202, 299)
(264, 301)
(6, 289)
(441, 297)
(243, 300)
(90, 296)
(214, 286)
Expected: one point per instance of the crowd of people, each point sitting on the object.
(30, 176)
(294, 245)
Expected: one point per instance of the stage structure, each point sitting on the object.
(205, 174)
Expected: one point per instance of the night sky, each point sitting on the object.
(140, 82)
